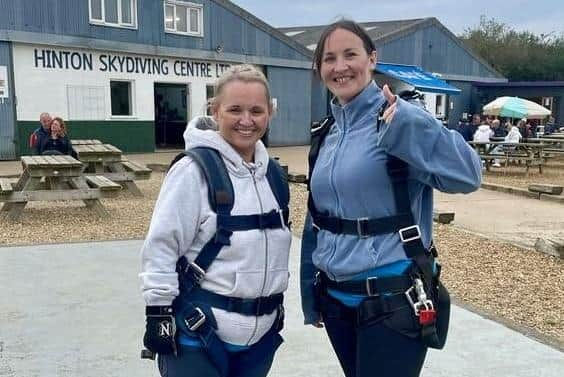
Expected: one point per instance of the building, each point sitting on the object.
(421, 54)
(133, 72)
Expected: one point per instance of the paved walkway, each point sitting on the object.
(76, 310)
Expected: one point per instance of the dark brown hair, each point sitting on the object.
(348, 25)
(61, 122)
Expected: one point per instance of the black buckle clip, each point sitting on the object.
(362, 227)
(406, 234)
(196, 320)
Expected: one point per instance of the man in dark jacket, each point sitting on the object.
(38, 139)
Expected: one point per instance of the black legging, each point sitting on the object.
(374, 350)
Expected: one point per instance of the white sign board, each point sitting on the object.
(3, 82)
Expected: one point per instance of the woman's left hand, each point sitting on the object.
(392, 102)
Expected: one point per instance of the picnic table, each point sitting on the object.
(54, 177)
(531, 153)
(107, 160)
(85, 141)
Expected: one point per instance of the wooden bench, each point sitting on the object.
(6, 186)
(102, 183)
(141, 172)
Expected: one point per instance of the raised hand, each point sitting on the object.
(391, 109)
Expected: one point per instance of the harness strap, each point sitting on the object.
(245, 306)
(362, 227)
(371, 286)
(377, 307)
(270, 220)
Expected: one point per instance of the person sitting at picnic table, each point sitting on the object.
(550, 126)
(39, 137)
(513, 135)
(58, 141)
(498, 131)
(483, 133)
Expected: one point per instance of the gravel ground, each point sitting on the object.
(520, 286)
(552, 173)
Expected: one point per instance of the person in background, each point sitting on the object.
(39, 136)
(513, 136)
(498, 130)
(467, 130)
(550, 126)
(58, 141)
(483, 133)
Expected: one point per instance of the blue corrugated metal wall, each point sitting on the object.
(292, 90)
(462, 102)
(70, 18)
(319, 100)
(435, 51)
(7, 116)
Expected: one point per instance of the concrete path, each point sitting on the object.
(503, 216)
(76, 310)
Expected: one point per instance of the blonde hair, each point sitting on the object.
(244, 72)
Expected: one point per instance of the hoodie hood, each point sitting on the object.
(194, 137)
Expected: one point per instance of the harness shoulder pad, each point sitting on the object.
(220, 188)
(317, 127)
(278, 181)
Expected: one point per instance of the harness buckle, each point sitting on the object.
(361, 227)
(198, 272)
(315, 226)
(410, 233)
(369, 286)
(196, 320)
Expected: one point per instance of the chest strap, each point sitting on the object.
(365, 227)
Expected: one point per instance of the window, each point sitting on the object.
(86, 102)
(116, 13)
(183, 18)
(122, 103)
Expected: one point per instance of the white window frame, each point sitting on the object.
(119, 24)
(132, 100)
(189, 6)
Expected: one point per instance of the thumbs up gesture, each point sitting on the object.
(391, 109)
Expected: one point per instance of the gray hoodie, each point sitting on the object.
(254, 265)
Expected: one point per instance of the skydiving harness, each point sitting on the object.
(419, 289)
(193, 305)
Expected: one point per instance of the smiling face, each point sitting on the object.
(242, 113)
(346, 66)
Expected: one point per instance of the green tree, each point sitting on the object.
(519, 56)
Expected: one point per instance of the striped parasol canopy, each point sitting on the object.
(515, 107)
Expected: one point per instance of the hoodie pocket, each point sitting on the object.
(251, 284)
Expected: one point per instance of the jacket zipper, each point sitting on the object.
(252, 170)
(334, 187)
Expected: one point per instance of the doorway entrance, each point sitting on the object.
(171, 114)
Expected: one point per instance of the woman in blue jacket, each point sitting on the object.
(368, 272)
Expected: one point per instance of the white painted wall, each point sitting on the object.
(41, 89)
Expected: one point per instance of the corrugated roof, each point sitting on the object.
(381, 32)
(309, 35)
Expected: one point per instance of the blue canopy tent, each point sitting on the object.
(418, 78)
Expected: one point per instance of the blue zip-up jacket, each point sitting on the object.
(350, 181)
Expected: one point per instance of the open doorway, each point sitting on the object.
(171, 114)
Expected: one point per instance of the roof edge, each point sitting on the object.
(262, 25)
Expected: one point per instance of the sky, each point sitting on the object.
(536, 16)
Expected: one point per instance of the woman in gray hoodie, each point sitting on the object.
(251, 265)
